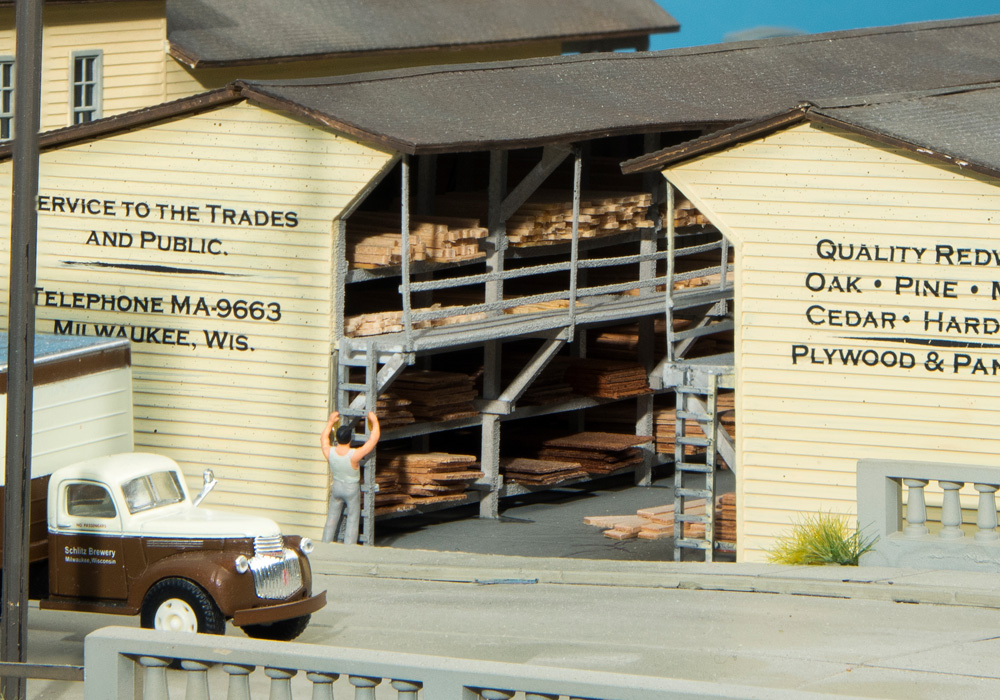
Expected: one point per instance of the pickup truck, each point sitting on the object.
(121, 535)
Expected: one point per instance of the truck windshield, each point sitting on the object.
(152, 491)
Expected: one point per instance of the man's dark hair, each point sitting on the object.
(344, 435)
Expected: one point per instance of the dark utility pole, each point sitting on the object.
(21, 339)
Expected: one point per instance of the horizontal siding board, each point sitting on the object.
(802, 427)
(255, 409)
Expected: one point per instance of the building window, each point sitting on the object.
(85, 91)
(6, 98)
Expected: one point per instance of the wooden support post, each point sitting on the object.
(404, 221)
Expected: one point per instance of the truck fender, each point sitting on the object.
(214, 572)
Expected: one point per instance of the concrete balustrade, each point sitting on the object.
(912, 545)
(124, 663)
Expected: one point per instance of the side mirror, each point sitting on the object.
(210, 483)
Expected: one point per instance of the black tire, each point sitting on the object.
(281, 631)
(174, 594)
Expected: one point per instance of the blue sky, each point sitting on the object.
(708, 21)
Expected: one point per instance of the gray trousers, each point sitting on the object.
(342, 494)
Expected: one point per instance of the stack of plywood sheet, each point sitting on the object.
(725, 518)
(659, 522)
(390, 496)
(539, 472)
(550, 386)
(666, 419)
(374, 239)
(430, 477)
(595, 452)
(437, 396)
(393, 411)
(622, 342)
(609, 379)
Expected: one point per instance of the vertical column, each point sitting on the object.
(668, 297)
(368, 467)
(916, 508)
(986, 516)
(644, 405)
(951, 511)
(406, 690)
(489, 506)
(322, 688)
(281, 683)
(239, 681)
(404, 222)
(364, 687)
(196, 687)
(154, 685)
(574, 255)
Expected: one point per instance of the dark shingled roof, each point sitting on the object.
(955, 125)
(530, 102)
(221, 32)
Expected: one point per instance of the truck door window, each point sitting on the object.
(89, 501)
(152, 491)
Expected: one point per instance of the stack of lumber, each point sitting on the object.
(380, 322)
(686, 214)
(547, 217)
(437, 396)
(610, 379)
(595, 452)
(666, 431)
(622, 342)
(539, 472)
(374, 239)
(430, 477)
(659, 522)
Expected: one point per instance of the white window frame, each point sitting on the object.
(6, 98)
(82, 112)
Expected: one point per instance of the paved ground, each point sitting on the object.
(546, 524)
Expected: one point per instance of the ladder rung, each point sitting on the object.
(691, 544)
(694, 441)
(693, 415)
(348, 386)
(693, 493)
(693, 467)
(687, 389)
(692, 518)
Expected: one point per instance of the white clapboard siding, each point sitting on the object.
(805, 421)
(131, 37)
(79, 418)
(251, 409)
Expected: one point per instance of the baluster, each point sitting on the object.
(364, 687)
(239, 681)
(916, 508)
(197, 680)
(489, 694)
(281, 683)
(322, 684)
(407, 690)
(540, 696)
(986, 517)
(951, 511)
(154, 678)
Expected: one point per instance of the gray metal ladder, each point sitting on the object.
(377, 379)
(694, 480)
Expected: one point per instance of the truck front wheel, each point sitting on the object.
(281, 631)
(178, 605)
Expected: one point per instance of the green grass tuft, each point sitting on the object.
(821, 538)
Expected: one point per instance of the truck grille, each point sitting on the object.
(276, 577)
(268, 546)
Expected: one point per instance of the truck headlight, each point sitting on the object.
(306, 545)
(242, 564)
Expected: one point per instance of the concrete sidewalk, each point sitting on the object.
(860, 583)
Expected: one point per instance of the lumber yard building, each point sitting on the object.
(106, 57)
(866, 305)
(274, 249)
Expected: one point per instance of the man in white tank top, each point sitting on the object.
(345, 468)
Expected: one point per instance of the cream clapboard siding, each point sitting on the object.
(251, 409)
(182, 81)
(131, 36)
(79, 418)
(804, 422)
